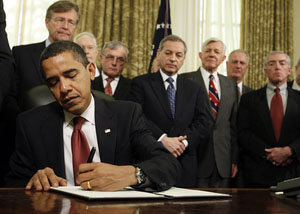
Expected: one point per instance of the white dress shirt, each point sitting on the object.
(283, 92)
(240, 87)
(113, 83)
(205, 75)
(89, 130)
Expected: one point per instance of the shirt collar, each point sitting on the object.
(104, 76)
(88, 114)
(206, 74)
(271, 87)
(165, 76)
(47, 42)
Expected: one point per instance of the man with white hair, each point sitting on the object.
(88, 42)
(217, 162)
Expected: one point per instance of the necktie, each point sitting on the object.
(276, 111)
(171, 95)
(239, 94)
(107, 88)
(213, 95)
(80, 146)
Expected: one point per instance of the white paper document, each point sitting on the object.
(129, 193)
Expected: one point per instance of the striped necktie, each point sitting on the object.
(213, 95)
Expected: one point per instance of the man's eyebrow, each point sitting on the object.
(69, 71)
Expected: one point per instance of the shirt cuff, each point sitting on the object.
(161, 137)
(186, 143)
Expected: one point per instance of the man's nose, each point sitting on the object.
(64, 86)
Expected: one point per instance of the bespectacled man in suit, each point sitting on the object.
(113, 59)
(61, 21)
(127, 154)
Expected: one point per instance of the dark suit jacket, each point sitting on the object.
(28, 74)
(221, 147)
(122, 90)
(255, 132)
(190, 116)
(39, 143)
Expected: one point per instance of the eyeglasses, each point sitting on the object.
(111, 58)
(62, 21)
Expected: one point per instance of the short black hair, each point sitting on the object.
(60, 47)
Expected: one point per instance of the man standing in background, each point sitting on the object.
(174, 107)
(88, 42)
(113, 59)
(237, 66)
(217, 158)
(268, 127)
(61, 21)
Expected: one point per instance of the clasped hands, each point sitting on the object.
(279, 156)
(174, 145)
(99, 176)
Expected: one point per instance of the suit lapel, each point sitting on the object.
(53, 138)
(291, 108)
(106, 128)
(201, 81)
(158, 87)
(264, 112)
(226, 94)
(181, 93)
(121, 89)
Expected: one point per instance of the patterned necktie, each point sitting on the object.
(171, 95)
(276, 111)
(80, 146)
(213, 95)
(107, 88)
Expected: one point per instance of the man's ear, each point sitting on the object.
(91, 67)
(47, 22)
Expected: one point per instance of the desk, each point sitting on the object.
(243, 201)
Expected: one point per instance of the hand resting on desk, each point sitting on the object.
(43, 179)
(106, 177)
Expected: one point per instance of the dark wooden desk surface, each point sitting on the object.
(243, 201)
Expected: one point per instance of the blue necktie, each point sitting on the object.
(171, 95)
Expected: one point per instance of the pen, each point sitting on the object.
(91, 155)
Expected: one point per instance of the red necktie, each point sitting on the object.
(107, 88)
(213, 95)
(80, 146)
(276, 111)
